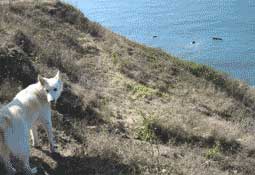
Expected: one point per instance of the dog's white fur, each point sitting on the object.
(29, 107)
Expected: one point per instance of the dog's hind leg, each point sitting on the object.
(34, 135)
(9, 168)
(26, 167)
(23, 153)
(5, 155)
(5, 159)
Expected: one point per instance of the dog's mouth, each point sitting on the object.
(53, 105)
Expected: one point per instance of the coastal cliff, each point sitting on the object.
(126, 108)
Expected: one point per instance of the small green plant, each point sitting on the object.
(213, 152)
(152, 59)
(146, 131)
(140, 91)
(125, 64)
(115, 58)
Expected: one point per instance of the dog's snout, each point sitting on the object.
(52, 102)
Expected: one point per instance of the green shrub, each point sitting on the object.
(140, 91)
(146, 131)
(213, 152)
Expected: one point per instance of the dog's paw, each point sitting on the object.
(53, 148)
(35, 145)
(34, 170)
(57, 156)
(11, 171)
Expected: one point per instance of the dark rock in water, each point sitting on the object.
(217, 38)
(155, 36)
(193, 42)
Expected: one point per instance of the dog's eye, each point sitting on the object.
(47, 90)
(55, 89)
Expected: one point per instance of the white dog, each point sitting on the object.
(30, 107)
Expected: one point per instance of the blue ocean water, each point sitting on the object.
(177, 23)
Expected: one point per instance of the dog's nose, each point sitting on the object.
(52, 102)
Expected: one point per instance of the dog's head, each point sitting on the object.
(52, 86)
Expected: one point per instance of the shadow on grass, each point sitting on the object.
(145, 74)
(71, 105)
(179, 137)
(74, 165)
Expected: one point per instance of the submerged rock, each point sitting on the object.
(216, 38)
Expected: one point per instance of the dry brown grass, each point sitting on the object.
(126, 108)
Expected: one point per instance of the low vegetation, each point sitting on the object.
(126, 109)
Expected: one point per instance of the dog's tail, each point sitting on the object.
(4, 121)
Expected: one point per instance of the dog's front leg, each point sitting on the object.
(47, 124)
(34, 135)
(48, 127)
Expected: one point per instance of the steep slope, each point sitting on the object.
(126, 108)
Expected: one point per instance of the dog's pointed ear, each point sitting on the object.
(58, 75)
(41, 80)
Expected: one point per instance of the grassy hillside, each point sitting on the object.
(126, 109)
